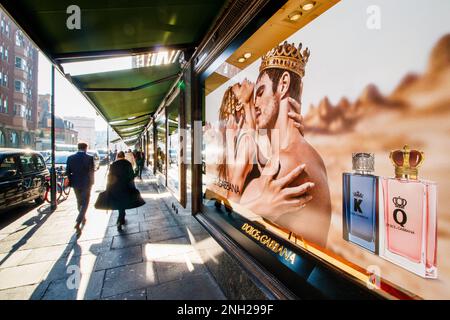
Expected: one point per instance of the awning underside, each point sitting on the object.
(128, 98)
(111, 28)
(108, 26)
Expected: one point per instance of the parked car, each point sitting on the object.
(60, 160)
(23, 177)
(96, 156)
(45, 154)
(104, 157)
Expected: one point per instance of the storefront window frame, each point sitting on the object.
(342, 280)
(158, 173)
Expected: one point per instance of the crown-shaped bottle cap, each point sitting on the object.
(363, 162)
(286, 56)
(407, 162)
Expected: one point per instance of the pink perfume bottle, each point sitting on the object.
(410, 216)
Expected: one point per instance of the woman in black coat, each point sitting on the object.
(121, 193)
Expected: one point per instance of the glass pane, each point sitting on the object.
(28, 164)
(39, 162)
(173, 173)
(161, 144)
(8, 167)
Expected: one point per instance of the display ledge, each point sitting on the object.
(264, 281)
(280, 276)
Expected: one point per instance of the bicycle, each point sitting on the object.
(62, 187)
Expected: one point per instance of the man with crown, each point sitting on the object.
(277, 97)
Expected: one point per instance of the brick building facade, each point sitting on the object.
(18, 87)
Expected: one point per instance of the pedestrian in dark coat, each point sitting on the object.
(80, 172)
(121, 192)
(140, 162)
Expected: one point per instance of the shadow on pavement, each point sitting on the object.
(35, 223)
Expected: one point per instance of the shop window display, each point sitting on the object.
(359, 180)
(161, 145)
(173, 145)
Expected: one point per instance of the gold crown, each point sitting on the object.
(232, 103)
(286, 56)
(407, 162)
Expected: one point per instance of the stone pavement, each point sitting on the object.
(153, 258)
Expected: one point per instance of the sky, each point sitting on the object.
(68, 100)
(346, 55)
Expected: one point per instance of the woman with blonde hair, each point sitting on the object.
(238, 163)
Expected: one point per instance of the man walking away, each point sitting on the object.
(140, 162)
(80, 172)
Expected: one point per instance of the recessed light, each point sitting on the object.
(308, 6)
(294, 16)
(247, 55)
(117, 122)
(241, 59)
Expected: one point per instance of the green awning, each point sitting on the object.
(117, 28)
(109, 26)
(128, 98)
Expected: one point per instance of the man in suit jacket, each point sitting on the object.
(80, 171)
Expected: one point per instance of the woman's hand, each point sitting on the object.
(238, 157)
(296, 116)
(231, 133)
(277, 198)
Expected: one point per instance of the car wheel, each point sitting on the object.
(41, 199)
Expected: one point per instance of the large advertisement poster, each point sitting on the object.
(363, 175)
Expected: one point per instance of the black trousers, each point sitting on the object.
(83, 197)
(139, 171)
(121, 218)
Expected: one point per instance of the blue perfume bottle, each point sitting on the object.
(360, 203)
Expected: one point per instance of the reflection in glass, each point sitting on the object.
(161, 144)
(151, 149)
(173, 173)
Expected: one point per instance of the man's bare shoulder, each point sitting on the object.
(303, 152)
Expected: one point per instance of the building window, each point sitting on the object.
(20, 63)
(5, 105)
(5, 80)
(14, 139)
(19, 86)
(19, 39)
(27, 139)
(20, 110)
(2, 139)
(3, 26)
(6, 55)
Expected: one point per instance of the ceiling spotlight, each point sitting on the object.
(308, 5)
(247, 55)
(241, 59)
(294, 16)
(117, 122)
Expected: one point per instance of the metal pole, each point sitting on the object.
(53, 203)
(107, 145)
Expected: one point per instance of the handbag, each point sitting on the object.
(103, 201)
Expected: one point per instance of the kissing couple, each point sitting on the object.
(274, 171)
